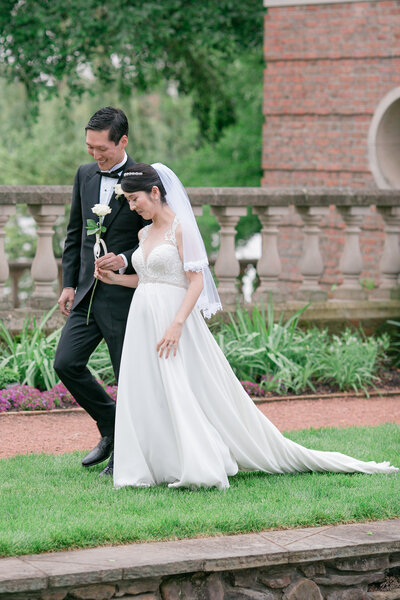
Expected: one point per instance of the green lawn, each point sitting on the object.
(51, 503)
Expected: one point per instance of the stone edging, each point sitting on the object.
(297, 564)
(340, 395)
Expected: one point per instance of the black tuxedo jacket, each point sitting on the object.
(121, 236)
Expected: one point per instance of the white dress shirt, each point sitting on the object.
(106, 191)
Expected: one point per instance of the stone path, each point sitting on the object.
(56, 433)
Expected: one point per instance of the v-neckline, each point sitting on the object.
(164, 243)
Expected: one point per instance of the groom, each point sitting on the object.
(106, 140)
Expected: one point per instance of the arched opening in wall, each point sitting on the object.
(384, 142)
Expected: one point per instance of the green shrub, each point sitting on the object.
(282, 357)
(8, 376)
(279, 356)
(394, 348)
(351, 359)
(31, 355)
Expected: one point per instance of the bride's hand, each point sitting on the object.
(169, 341)
(105, 275)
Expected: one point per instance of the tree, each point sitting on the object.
(46, 44)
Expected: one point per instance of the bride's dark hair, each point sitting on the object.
(141, 178)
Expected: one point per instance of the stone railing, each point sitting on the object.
(45, 204)
(306, 217)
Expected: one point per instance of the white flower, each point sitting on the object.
(118, 190)
(101, 210)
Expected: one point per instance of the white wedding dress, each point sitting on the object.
(187, 420)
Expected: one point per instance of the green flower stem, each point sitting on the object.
(98, 230)
(91, 300)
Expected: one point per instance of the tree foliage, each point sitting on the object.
(46, 44)
(163, 129)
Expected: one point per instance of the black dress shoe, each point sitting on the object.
(102, 451)
(109, 469)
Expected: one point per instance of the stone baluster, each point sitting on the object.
(6, 210)
(389, 264)
(227, 267)
(17, 267)
(311, 262)
(197, 211)
(269, 266)
(351, 263)
(44, 266)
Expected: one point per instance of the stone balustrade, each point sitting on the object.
(342, 210)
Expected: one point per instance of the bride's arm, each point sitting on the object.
(171, 337)
(112, 278)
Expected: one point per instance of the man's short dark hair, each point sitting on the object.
(112, 119)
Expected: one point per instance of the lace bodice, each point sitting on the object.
(163, 263)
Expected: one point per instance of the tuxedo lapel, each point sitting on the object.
(116, 203)
(91, 194)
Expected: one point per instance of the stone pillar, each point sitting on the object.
(44, 266)
(351, 263)
(197, 211)
(389, 264)
(227, 267)
(269, 266)
(311, 263)
(6, 210)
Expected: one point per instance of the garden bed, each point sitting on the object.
(273, 360)
(20, 399)
(387, 384)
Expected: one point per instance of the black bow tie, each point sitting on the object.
(113, 174)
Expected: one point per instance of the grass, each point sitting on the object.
(50, 503)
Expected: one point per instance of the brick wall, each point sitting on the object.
(327, 68)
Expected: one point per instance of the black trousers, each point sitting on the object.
(78, 341)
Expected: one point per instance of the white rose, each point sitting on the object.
(101, 210)
(118, 190)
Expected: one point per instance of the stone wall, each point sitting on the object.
(373, 577)
(328, 66)
(355, 561)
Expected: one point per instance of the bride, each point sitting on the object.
(183, 418)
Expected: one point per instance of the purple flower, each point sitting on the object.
(110, 389)
(39, 403)
(18, 396)
(26, 397)
(4, 404)
(253, 389)
(59, 396)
